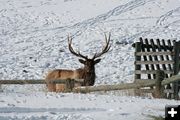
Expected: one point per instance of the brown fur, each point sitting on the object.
(62, 74)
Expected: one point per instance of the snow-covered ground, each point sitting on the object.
(53, 106)
(33, 40)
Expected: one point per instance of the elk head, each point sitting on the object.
(88, 72)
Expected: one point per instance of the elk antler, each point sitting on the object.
(105, 48)
(78, 54)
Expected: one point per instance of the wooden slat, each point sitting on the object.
(86, 89)
(34, 81)
(22, 81)
(171, 80)
(161, 56)
(154, 62)
(176, 57)
(143, 80)
(151, 71)
(150, 57)
(167, 56)
(155, 57)
(143, 83)
(150, 46)
(153, 53)
(164, 82)
(137, 58)
(176, 67)
(145, 58)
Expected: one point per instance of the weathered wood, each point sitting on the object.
(176, 67)
(168, 57)
(143, 92)
(158, 87)
(154, 62)
(161, 56)
(150, 57)
(69, 85)
(137, 58)
(145, 58)
(144, 80)
(171, 80)
(176, 57)
(152, 71)
(155, 57)
(22, 82)
(34, 81)
(153, 53)
(87, 89)
(150, 46)
(143, 83)
(147, 83)
(64, 81)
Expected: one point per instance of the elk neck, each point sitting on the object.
(88, 75)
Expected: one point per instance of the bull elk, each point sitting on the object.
(87, 73)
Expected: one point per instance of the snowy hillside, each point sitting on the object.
(33, 40)
(34, 34)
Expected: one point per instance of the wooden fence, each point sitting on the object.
(158, 92)
(152, 55)
(68, 82)
(41, 81)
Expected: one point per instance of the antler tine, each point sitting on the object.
(78, 54)
(105, 48)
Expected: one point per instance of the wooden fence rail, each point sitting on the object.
(158, 83)
(143, 83)
(124, 86)
(40, 81)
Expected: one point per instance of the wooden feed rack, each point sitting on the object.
(152, 55)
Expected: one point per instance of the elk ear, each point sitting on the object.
(97, 61)
(82, 61)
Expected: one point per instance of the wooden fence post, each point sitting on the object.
(69, 85)
(160, 75)
(176, 67)
(137, 58)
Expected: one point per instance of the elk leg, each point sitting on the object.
(51, 87)
(60, 87)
